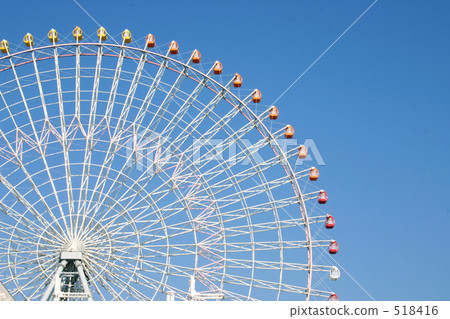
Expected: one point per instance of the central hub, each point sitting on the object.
(74, 245)
(73, 250)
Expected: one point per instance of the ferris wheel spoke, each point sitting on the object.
(65, 145)
(77, 120)
(31, 283)
(148, 223)
(155, 234)
(241, 247)
(144, 280)
(77, 82)
(258, 169)
(89, 139)
(250, 192)
(220, 123)
(143, 213)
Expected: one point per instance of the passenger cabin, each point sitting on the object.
(333, 248)
(173, 47)
(4, 46)
(101, 33)
(335, 273)
(333, 297)
(237, 82)
(28, 40)
(323, 197)
(53, 36)
(77, 33)
(313, 174)
(126, 36)
(273, 113)
(150, 41)
(196, 56)
(218, 68)
(288, 132)
(302, 152)
(329, 222)
(256, 96)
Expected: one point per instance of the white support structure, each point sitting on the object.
(4, 294)
(69, 282)
(196, 296)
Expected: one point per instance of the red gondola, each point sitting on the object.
(333, 297)
(323, 197)
(330, 222)
(333, 248)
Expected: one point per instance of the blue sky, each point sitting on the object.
(376, 105)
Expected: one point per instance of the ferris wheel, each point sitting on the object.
(130, 171)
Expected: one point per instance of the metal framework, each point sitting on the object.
(128, 174)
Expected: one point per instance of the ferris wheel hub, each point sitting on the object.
(75, 246)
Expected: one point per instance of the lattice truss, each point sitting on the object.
(154, 173)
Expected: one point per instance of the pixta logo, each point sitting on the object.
(151, 152)
(208, 150)
(148, 152)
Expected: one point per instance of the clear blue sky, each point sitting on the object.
(377, 106)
